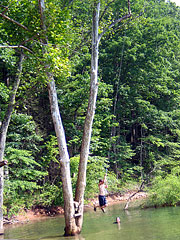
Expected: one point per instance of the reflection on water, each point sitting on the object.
(136, 224)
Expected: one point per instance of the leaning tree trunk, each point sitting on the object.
(3, 132)
(73, 227)
(70, 224)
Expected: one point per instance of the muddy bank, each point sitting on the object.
(35, 214)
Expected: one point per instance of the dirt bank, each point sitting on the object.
(41, 213)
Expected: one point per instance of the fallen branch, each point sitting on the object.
(129, 199)
(10, 221)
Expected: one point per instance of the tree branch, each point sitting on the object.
(129, 7)
(139, 190)
(20, 46)
(6, 8)
(29, 39)
(15, 22)
(128, 200)
(114, 23)
(41, 10)
(5, 162)
(106, 8)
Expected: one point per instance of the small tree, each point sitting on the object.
(4, 129)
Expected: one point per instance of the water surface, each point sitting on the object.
(136, 224)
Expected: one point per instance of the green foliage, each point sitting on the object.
(130, 174)
(96, 170)
(50, 195)
(25, 173)
(4, 92)
(136, 125)
(52, 150)
(165, 190)
(25, 195)
(22, 133)
(23, 166)
(7, 71)
(18, 194)
(24, 177)
(4, 95)
(141, 62)
(8, 57)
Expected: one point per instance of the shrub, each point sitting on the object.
(164, 191)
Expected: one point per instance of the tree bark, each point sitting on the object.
(73, 227)
(3, 133)
(74, 221)
(81, 181)
(70, 225)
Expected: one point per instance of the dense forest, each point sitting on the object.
(136, 129)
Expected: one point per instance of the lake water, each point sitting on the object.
(136, 224)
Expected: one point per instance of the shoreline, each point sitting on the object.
(27, 216)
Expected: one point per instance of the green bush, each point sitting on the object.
(50, 195)
(17, 195)
(164, 191)
(25, 195)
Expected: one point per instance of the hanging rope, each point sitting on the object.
(119, 74)
(113, 129)
(121, 61)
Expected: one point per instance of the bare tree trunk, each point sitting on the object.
(73, 227)
(81, 181)
(74, 221)
(70, 225)
(3, 132)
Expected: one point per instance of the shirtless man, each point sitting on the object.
(102, 193)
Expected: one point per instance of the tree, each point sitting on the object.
(73, 221)
(4, 129)
(23, 180)
(147, 94)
